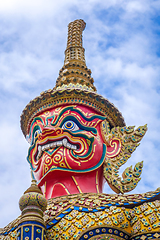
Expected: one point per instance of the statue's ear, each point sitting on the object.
(113, 143)
(121, 142)
(114, 147)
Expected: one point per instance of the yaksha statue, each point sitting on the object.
(78, 140)
(77, 137)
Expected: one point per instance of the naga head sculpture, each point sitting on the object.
(77, 138)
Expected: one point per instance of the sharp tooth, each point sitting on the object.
(59, 143)
(74, 147)
(39, 152)
(39, 155)
(68, 145)
(48, 146)
(39, 149)
(53, 144)
(65, 142)
(45, 147)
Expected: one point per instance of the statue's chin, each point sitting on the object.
(56, 172)
(58, 182)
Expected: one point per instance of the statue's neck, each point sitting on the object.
(77, 183)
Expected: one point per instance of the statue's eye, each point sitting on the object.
(37, 132)
(70, 125)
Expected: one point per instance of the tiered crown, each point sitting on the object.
(73, 86)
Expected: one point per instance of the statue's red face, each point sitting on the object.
(67, 139)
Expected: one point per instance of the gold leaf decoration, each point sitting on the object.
(121, 143)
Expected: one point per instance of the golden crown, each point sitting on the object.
(74, 85)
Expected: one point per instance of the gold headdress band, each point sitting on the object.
(73, 86)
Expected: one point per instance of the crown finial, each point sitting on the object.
(75, 50)
(74, 73)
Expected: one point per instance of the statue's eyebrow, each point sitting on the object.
(89, 119)
(82, 127)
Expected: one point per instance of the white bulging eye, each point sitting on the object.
(70, 125)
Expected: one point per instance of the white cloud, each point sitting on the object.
(136, 6)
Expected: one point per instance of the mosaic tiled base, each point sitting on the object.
(74, 216)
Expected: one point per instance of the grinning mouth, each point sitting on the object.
(55, 144)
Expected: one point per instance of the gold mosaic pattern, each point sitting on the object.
(75, 73)
(142, 219)
(76, 221)
(11, 225)
(71, 226)
(145, 218)
(92, 201)
(76, 85)
(11, 236)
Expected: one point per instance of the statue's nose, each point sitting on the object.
(50, 131)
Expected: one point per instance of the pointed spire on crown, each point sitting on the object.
(75, 50)
(74, 73)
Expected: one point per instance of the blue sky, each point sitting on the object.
(122, 48)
